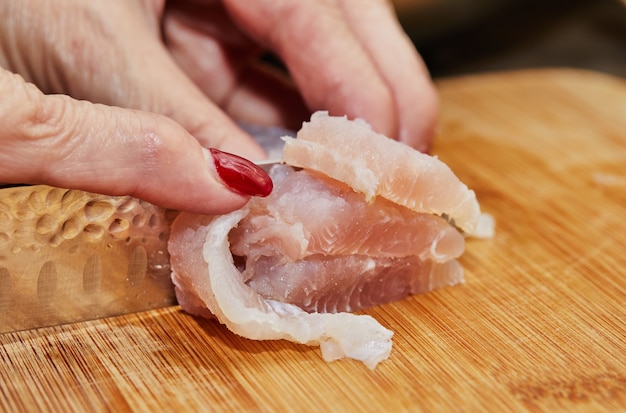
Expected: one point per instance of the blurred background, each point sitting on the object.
(458, 37)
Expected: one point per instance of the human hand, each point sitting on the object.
(348, 57)
(196, 61)
(56, 140)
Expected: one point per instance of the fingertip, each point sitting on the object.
(418, 122)
(226, 183)
(194, 179)
(239, 174)
(377, 108)
(111, 151)
(187, 178)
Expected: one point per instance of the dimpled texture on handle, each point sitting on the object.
(68, 255)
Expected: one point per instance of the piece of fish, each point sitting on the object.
(208, 284)
(317, 244)
(377, 166)
(367, 221)
(308, 214)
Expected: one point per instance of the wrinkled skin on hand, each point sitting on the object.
(197, 63)
(55, 140)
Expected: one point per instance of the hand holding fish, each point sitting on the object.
(197, 62)
(59, 141)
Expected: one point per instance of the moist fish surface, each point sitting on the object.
(362, 221)
(318, 244)
(374, 165)
(208, 284)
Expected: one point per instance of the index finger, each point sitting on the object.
(326, 60)
(59, 141)
(404, 72)
(350, 57)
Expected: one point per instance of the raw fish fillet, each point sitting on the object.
(208, 283)
(308, 214)
(348, 282)
(367, 221)
(377, 166)
(319, 245)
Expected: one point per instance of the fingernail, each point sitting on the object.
(241, 175)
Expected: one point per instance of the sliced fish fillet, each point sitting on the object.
(367, 221)
(208, 283)
(308, 215)
(317, 244)
(370, 163)
(348, 282)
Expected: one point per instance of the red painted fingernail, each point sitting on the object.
(241, 175)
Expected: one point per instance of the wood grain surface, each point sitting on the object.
(540, 324)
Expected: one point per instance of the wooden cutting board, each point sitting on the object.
(540, 324)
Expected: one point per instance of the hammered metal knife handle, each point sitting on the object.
(69, 255)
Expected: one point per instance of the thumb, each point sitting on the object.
(62, 142)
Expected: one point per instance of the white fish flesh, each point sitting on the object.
(367, 221)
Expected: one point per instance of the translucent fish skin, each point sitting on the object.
(208, 284)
